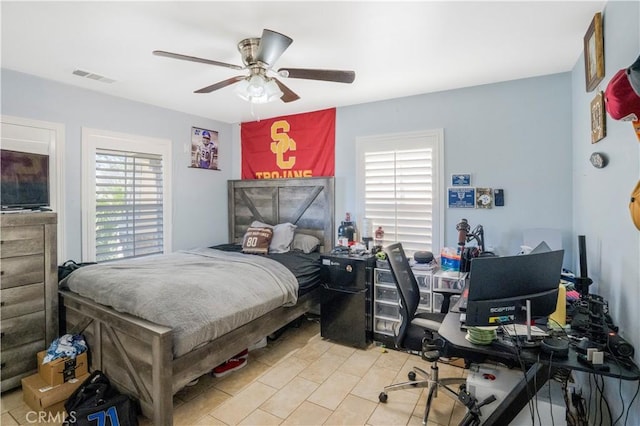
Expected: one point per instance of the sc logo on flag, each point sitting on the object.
(282, 143)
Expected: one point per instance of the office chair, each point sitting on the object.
(417, 331)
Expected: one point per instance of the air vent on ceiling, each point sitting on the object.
(93, 76)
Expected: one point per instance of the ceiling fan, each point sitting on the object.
(259, 56)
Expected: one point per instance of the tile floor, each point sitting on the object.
(301, 379)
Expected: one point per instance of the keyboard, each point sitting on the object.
(521, 330)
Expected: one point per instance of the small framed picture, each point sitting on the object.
(598, 117)
(594, 53)
(204, 149)
(461, 179)
(484, 198)
(462, 198)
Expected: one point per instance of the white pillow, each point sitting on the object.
(305, 243)
(282, 235)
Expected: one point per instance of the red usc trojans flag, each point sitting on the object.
(301, 145)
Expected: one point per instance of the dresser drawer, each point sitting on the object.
(22, 300)
(386, 293)
(21, 359)
(21, 241)
(386, 310)
(22, 330)
(383, 276)
(425, 302)
(16, 271)
(424, 281)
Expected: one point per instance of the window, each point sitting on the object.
(25, 134)
(399, 176)
(126, 181)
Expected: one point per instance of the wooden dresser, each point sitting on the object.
(28, 292)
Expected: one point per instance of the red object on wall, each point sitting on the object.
(301, 145)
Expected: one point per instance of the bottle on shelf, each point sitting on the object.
(366, 232)
(346, 229)
(379, 236)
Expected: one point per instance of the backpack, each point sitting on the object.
(69, 266)
(97, 403)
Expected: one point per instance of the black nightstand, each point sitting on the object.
(346, 318)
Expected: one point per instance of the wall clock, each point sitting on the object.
(598, 160)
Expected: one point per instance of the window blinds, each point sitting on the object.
(129, 204)
(399, 189)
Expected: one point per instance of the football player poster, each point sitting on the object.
(204, 149)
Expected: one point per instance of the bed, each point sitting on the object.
(140, 356)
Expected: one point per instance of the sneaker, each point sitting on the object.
(244, 354)
(230, 365)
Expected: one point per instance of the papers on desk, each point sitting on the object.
(521, 330)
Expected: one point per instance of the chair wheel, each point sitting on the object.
(411, 376)
(383, 397)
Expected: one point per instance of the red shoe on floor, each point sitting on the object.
(232, 364)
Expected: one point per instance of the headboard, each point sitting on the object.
(308, 203)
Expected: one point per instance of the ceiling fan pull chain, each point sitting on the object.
(253, 112)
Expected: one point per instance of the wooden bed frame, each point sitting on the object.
(137, 355)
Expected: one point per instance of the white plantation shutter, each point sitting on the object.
(126, 197)
(129, 204)
(398, 176)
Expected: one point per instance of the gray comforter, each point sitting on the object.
(201, 294)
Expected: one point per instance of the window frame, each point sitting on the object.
(433, 139)
(94, 139)
(16, 135)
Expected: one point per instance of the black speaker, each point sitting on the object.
(554, 346)
(423, 257)
(618, 346)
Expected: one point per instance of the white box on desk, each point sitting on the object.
(500, 381)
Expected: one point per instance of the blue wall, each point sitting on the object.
(199, 196)
(513, 135)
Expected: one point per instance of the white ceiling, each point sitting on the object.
(397, 49)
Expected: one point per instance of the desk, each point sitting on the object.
(539, 369)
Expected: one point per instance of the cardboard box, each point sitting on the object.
(62, 370)
(42, 397)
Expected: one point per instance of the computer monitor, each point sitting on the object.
(499, 287)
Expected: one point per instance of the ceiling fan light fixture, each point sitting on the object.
(258, 90)
(256, 86)
(272, 91)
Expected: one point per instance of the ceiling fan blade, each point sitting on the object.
(221, 84)
(324, 75)
(195, 59)
(288, 95)
(272, 46)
